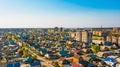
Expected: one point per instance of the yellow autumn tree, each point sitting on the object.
(95, 48)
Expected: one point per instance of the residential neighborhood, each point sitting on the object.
(59, 33)
(60, 47)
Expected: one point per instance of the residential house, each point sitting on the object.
(28, 60)
(76, 65)
(64, 53)
(43, 51)
(35, 64)
(51, 55)
(76, 58)
(66, 63)
(13, 65)
(0, 56)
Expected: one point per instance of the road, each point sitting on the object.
(43, 61)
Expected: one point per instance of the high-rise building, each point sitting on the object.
(61, 29)
(72, 34)
(87, 36)
(119, 40)
(56, 29)
(115, 30)
(109, 38)
(50, 31)
(105, 34)
(78, 36)
(114, 39)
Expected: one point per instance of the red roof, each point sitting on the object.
(75, 51)
(75, 65)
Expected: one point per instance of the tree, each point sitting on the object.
(56, 64)
(69, 46)
(33, 57)
(25, 54)
(95, 48)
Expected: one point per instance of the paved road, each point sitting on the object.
(44, 61)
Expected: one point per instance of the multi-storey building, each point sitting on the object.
(82, 36)
(72, 34)
(50, 31)
(56, 29)
(109, 38)
(97, 32)
(115, 30)
(119, 41)
(86, 36)
(61, 29)
(78, 36)
(114, 39)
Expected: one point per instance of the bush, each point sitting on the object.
(56, 64)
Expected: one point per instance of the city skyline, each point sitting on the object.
(61, 13)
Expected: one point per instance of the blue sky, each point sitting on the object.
(61, 13)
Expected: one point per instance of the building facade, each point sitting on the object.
(72, 34)
(87, 36)
(78, 36)
(119, 41)
(114, 39)
(109, 39)
(115, 30)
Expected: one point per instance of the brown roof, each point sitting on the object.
(61, 59)
(76, 56)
